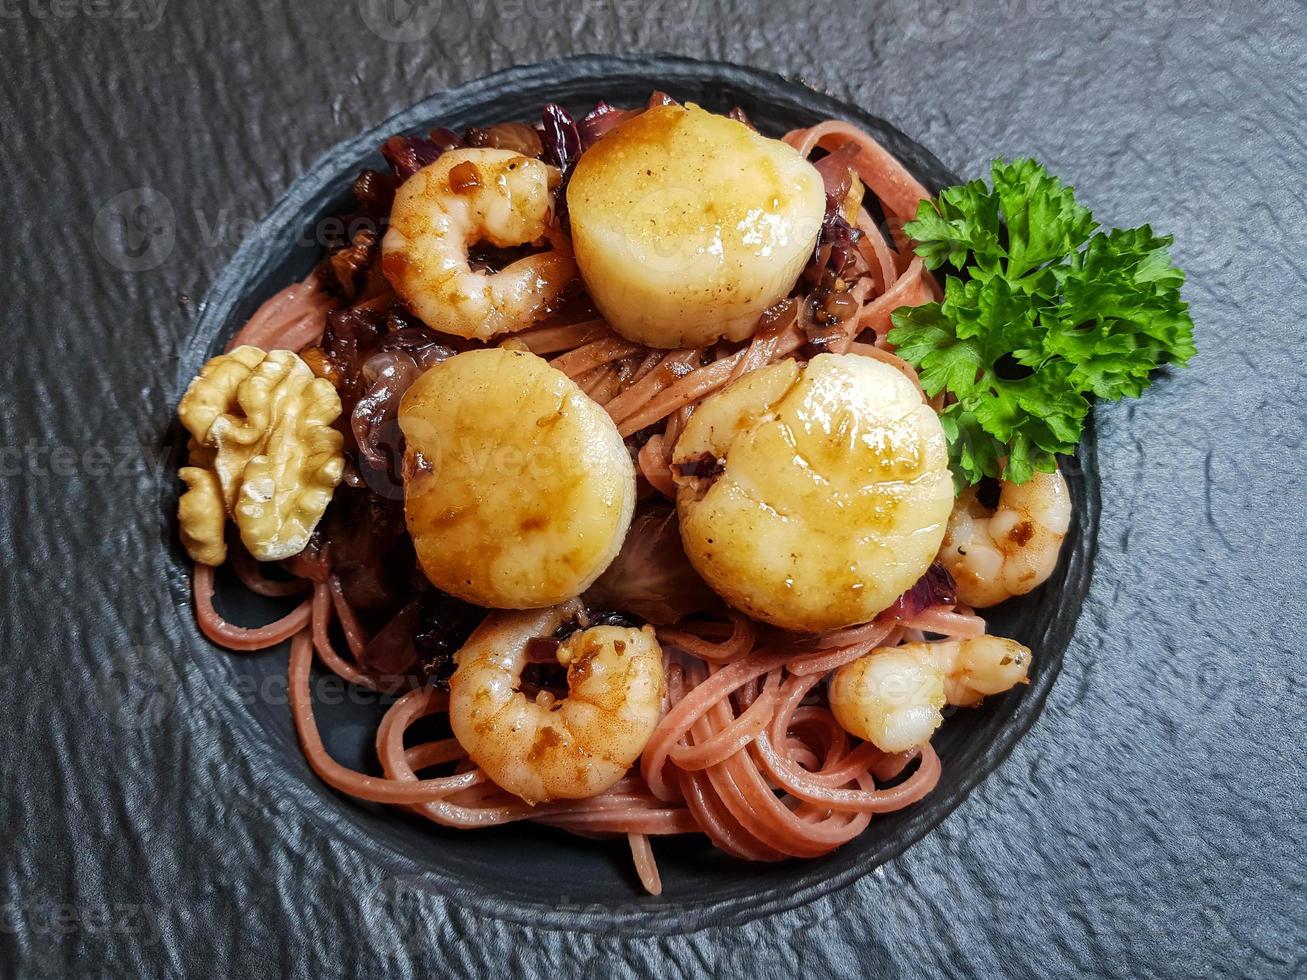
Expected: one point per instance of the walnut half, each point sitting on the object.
(262, 451)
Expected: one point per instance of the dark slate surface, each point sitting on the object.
(1148, 825)
(701, 885)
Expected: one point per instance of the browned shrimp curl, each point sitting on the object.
(464, 197)
(572, 748)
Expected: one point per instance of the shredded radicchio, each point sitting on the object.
(443, 625)
(374, 191)
(391, 651)
(387, 374)
(370, 551)
(651, 576)
(560, 140)
(350, 336)
(519, 137)
(600, 121)
(376, 358)
(836, 171)
(840, 237)
(561, 146)
(409, 154)
(424, 635)
(349, 264)
(836, 241)
(935, 588)
(824, 311)
(446, 139)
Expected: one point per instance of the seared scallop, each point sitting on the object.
(687, 225)
(518, 490)
(812, 496)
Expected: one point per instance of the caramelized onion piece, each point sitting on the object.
(601, 120)
(519, 137)
(651, 577)
(409, 154)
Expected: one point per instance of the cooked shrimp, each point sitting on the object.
(544, 749)
(891, 697)
(978, 667)
(894, 696)
(465, 197)
(994, 555)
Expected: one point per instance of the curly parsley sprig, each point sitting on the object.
(1044, 311)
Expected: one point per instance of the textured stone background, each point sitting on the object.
(1149, 825)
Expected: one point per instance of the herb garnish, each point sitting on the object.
(1044, 312)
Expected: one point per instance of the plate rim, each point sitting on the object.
(310, 192)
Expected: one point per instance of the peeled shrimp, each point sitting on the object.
(894, 696)
(469, 196)
(544, 749)
(994, 555)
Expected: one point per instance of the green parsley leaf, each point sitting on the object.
(1122, 316)
(1044, 222)
(973, 453)
(1047, 313)
(963, 221)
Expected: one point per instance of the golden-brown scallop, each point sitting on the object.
(518, 489)
(687, 225)
(812, 496)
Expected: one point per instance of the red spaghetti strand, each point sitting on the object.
(241, 638)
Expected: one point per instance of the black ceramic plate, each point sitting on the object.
(529, 873)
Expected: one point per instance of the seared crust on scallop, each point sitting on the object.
(811, 497)
(687, 225)
(518, 489)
